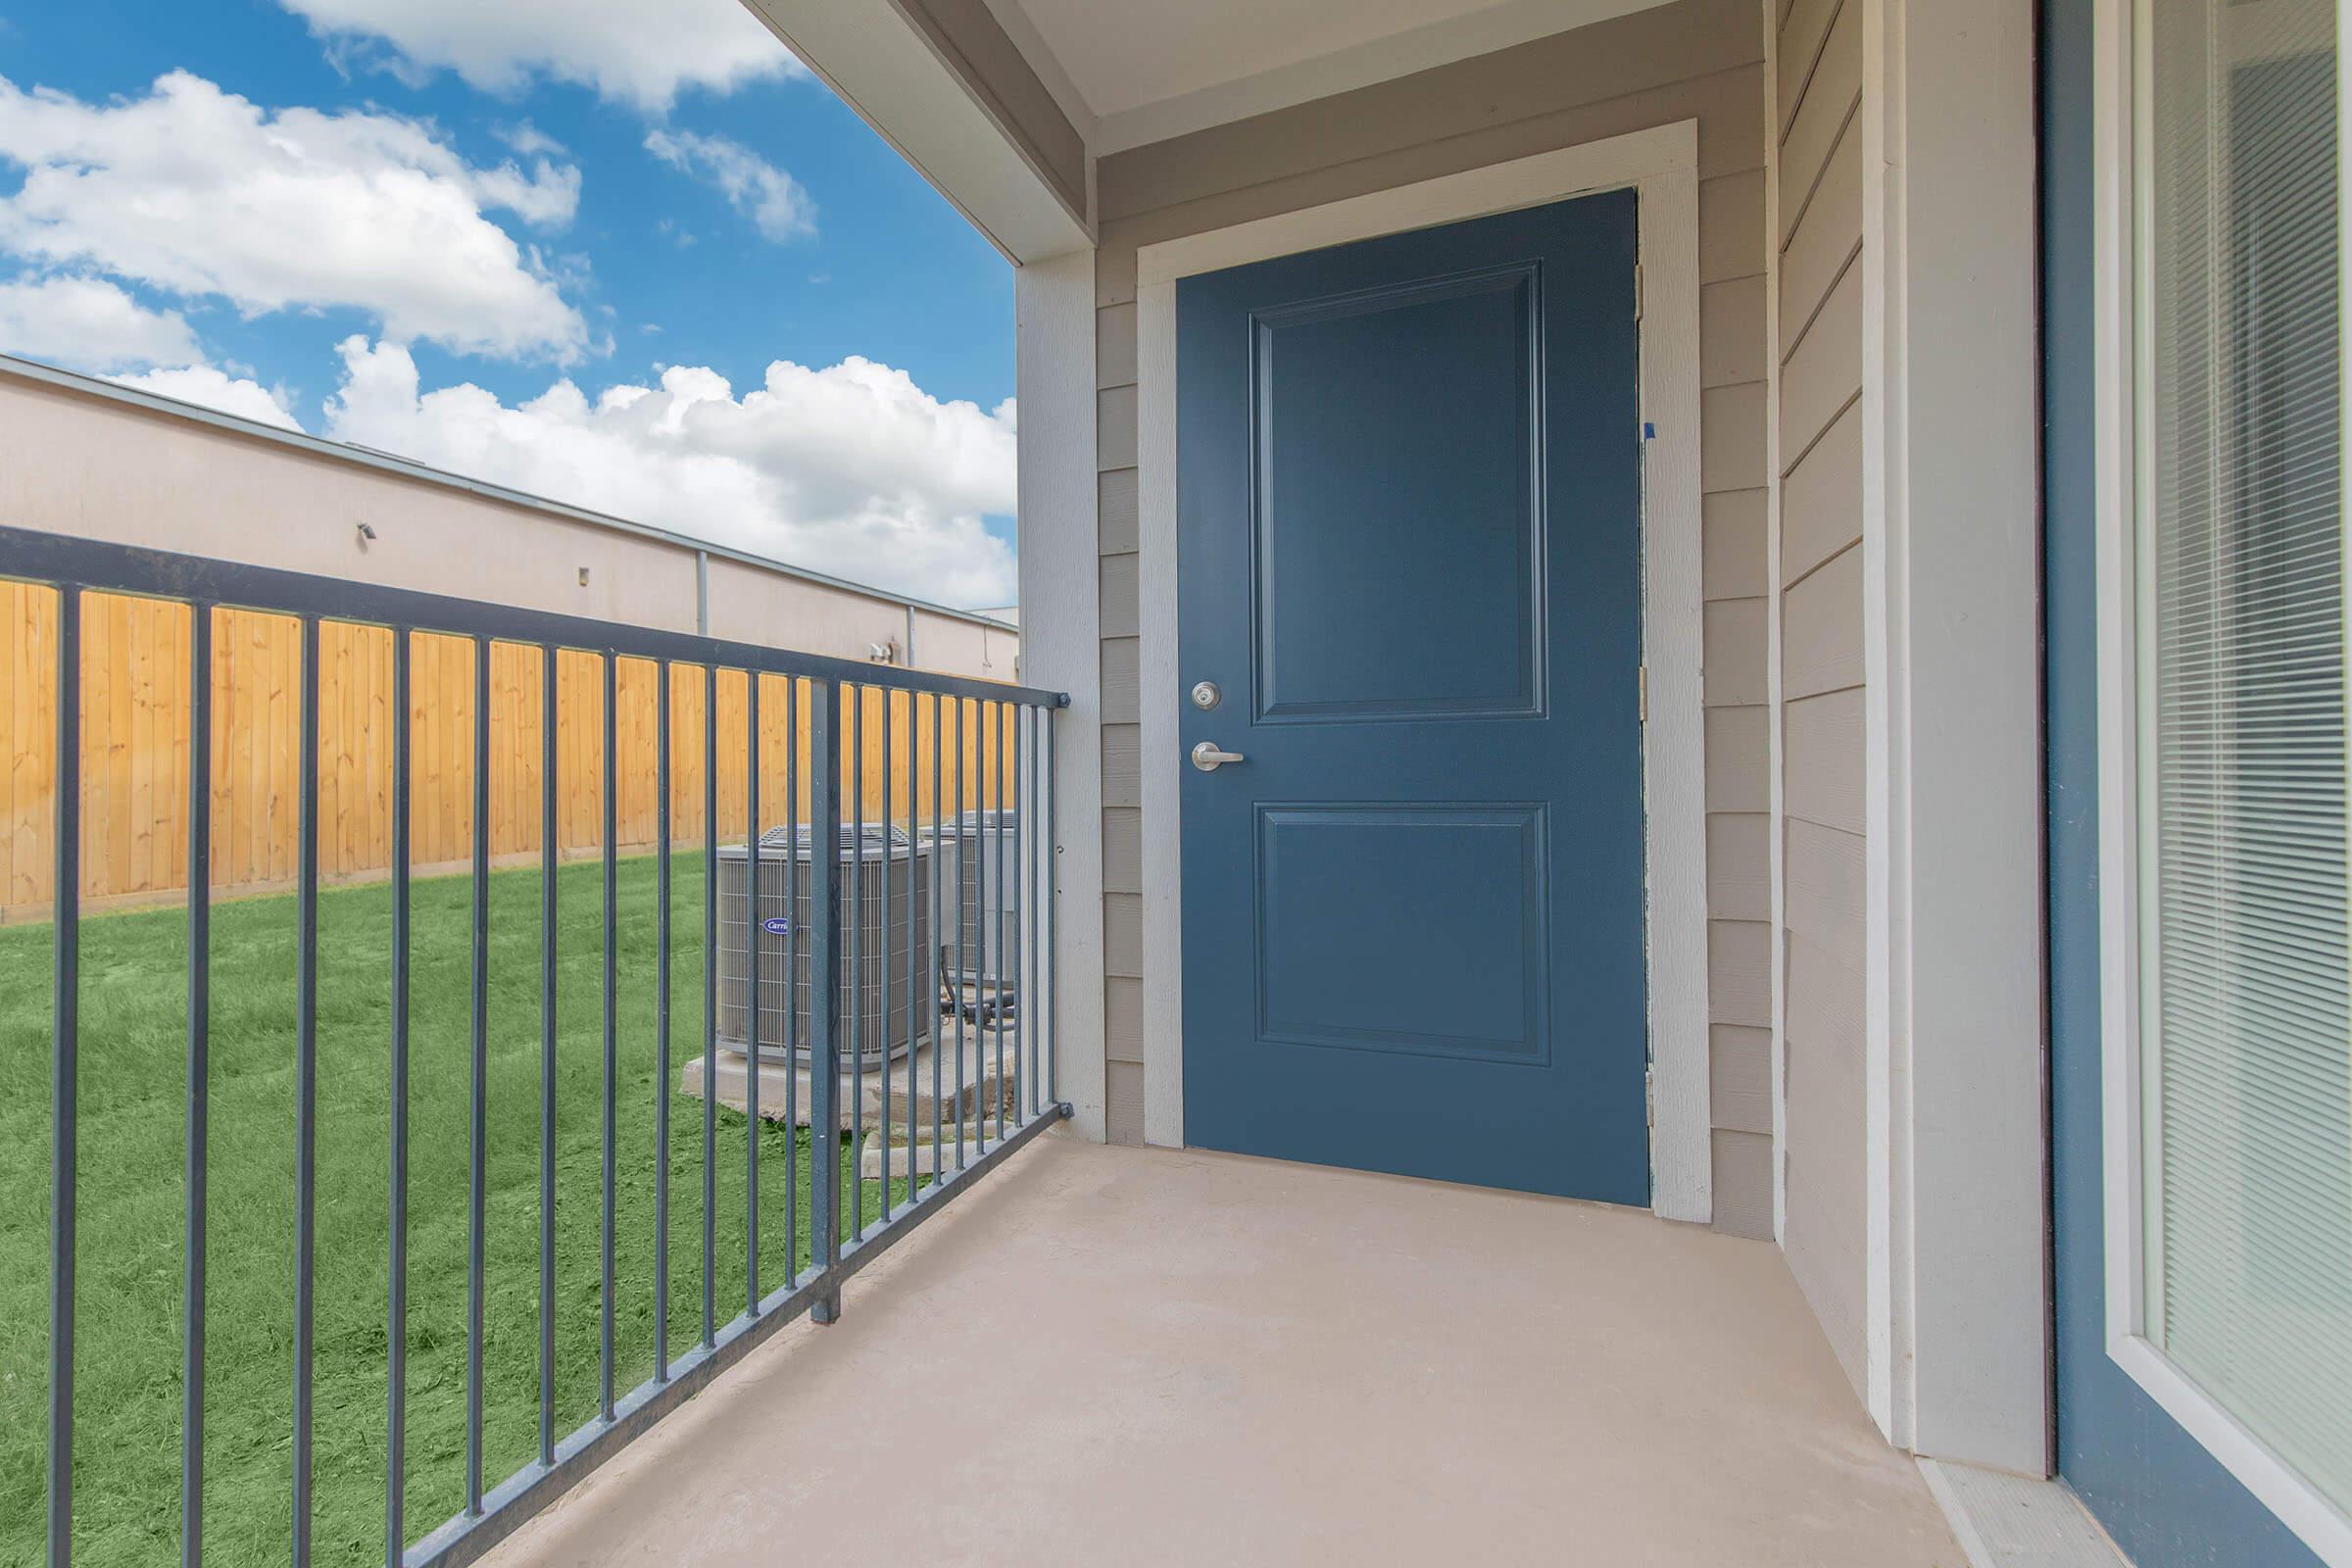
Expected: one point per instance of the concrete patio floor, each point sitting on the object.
(1137, 1356)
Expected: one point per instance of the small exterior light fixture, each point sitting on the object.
(583, 576)
(366, 534)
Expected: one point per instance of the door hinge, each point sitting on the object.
(1642, 691)
(1636, 291)
(1649, 1098)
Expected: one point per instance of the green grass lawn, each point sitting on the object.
(127, 1366)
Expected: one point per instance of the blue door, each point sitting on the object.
(1410, 515)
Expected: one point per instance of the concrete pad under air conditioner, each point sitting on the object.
(778, 1081)
(928, 1160)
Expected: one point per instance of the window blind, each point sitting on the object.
(2246, 1027)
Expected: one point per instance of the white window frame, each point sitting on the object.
(2120, 219)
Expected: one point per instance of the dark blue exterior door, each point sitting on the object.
(1410, 513)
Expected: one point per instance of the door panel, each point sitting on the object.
(1331, 983)
(1366, 607)
(1409, 506)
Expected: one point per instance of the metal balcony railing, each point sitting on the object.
(962, 766)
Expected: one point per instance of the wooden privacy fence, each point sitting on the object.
(135, 739)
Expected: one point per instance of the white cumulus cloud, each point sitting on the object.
(637, 52)
(530, 140)
(851, 469)
(770, 198)
(200, 192)
(216, 389)
(87, 323)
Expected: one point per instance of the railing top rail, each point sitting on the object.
(32, 556)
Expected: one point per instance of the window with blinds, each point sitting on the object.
(2246, 1042)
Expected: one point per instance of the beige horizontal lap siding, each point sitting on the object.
(1819, 580)
(1697, 60)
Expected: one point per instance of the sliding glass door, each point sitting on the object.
(2240, 1139)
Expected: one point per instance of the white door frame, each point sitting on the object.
(1660, 164)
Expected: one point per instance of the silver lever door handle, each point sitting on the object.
(1208, 758)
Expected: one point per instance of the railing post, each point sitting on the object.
(396, 1321)
(305, 1095)
(200, 1072)
(477, 1099)
(64, 1072)
(825, 986)
(550, 833)
(751, 993)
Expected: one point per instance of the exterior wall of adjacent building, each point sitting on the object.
(1697, 60)
(87, 461)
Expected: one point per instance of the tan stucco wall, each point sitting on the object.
(92, 466)
(1695, 60)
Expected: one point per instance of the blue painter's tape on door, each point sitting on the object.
(1409, 522)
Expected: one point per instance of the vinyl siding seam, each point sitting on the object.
(1815, 570)
(1827, 425)
(1804, 83)
(1846, 124)
(1813, 312)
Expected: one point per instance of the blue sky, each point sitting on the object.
(454, 228)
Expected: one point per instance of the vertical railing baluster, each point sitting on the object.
(751, 1011)
(857, 958)
(966, 1106)
(856, 1216)
(914, 862)
(200, 1054)
(396, 1327)
(1008, 886)
(710, 1003)
(477, 1138)
(983, 985)
(889, 860)
(1033, 818)
(939, 932)
(306, 1089)
(1020, 906)
(549, 836)
(662, 1029)
(825, 991)
(792, 960)
(611, 1071)
(1049, 910)
(992, 930)
(1040, 721)
(64, 1072)
(1053, 1013)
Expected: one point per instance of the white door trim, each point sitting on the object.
(1661, 165)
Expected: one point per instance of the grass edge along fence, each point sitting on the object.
(136, 734)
